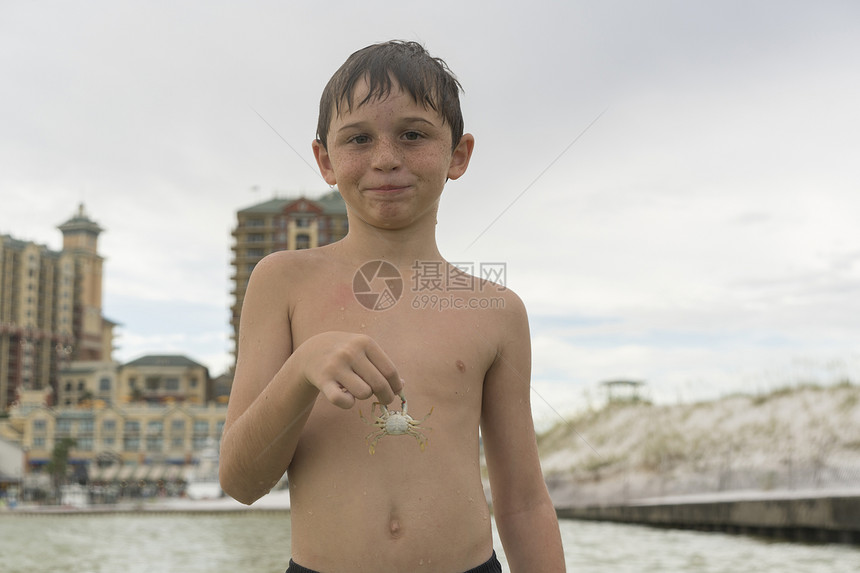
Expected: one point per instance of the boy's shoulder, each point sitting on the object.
(490, 284)
(510, 303)
(289, 259)
(488, 293)
(280, 269)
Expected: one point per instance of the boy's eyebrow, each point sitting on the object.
(362, 123)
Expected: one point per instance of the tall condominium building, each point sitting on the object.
(281, 224)
(50, 308)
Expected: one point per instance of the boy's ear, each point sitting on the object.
(324, 162)
(461, 156)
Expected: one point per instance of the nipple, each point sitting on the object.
(461, 366)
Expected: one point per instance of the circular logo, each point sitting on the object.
(377, 285)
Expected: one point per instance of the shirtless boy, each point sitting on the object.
(312, 359)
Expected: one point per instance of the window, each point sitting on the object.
(84, 444)
(132, 427)
(153, 383)
(131, 443)
(104, 385)
(153, 443)
(39, 426)
(171, 384)
(39, 443)
(154, 427)
(177, 426)
(64, 426)
(201, 426)
(85, 426)
(108, 426)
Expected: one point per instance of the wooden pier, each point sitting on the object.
(817, 518)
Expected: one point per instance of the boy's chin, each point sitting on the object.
(400, 223)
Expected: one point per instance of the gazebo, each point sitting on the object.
(622, 390)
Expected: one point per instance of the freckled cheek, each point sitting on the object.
(348, 169)
(428, 169)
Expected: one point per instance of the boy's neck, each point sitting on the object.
(400, 247)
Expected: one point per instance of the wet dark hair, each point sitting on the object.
(427, 79)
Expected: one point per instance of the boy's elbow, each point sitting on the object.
(246, 500)
(234, 482)
(235, 489)
(243, 497)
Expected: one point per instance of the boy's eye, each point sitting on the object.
(412, 136)
(359, 139)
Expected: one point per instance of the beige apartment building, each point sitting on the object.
(50, 308)
(281, 224)
(132, 435)
(156, 379)
(154, 410)
(164, 379)
(58, 379)
(143, 420)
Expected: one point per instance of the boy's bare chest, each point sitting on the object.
(420, 338)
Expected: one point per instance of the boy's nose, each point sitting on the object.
(386, 155)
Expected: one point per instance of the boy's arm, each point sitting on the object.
(523, 511)
(275, 385)
(255, 449)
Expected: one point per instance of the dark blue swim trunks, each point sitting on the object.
(491, 566)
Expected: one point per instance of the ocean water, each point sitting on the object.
(258, 542)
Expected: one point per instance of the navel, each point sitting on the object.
(395, 530)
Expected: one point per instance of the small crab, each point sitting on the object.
(393, 423)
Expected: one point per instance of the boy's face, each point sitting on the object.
(390, 158)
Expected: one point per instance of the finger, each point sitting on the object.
(386, 369)
(337, 394)
(377, 384)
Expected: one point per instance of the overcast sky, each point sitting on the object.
(702, 235)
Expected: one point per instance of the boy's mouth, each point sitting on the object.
(387, 188)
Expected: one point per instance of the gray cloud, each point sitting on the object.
(710, 206)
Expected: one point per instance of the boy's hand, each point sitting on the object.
(346, 367)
